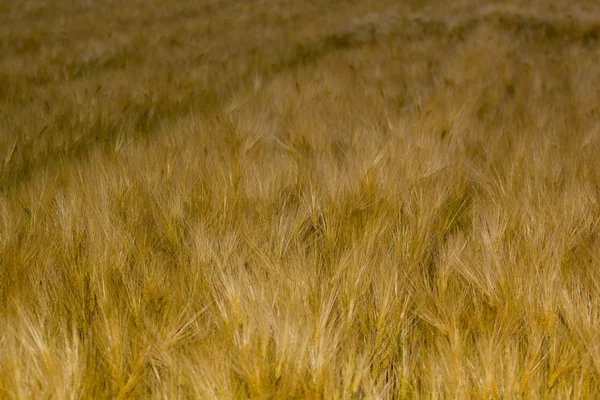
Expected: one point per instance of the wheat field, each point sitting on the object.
(283, 199)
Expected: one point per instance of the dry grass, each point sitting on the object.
(287, 199)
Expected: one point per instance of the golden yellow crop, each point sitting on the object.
(299, 199)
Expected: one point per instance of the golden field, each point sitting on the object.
(299, 199)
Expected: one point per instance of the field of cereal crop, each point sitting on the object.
(280, 199)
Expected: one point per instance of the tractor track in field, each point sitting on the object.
(371, 30)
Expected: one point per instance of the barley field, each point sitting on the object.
(326, 199)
